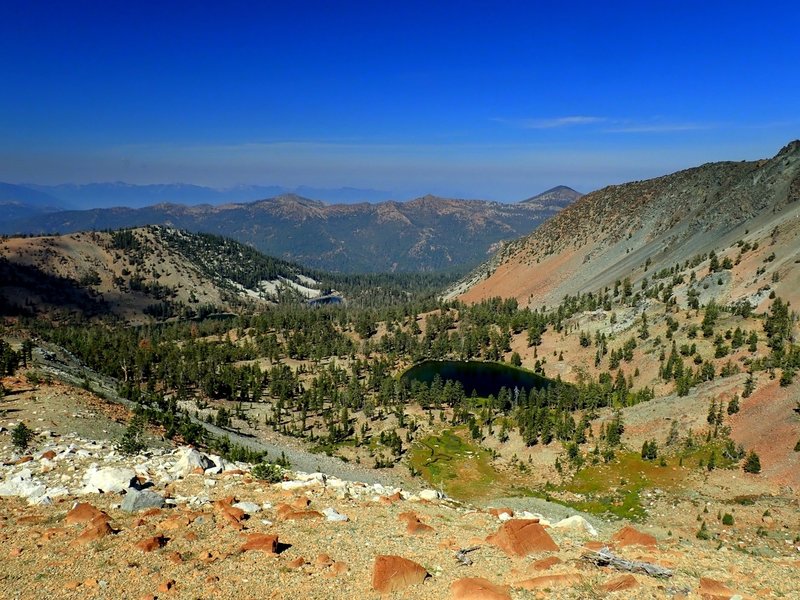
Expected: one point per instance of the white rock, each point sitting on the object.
(504, 516)
(189, 460)
(318, 477)
(299, 485)
(576, 523)
(248, 507)
(108, 479)
(331, 514)
(430, 495)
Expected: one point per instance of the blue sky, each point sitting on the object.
(495, 100)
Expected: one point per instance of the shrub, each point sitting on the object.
(267, 472)
(727, 519)
(753, 463)
(132, 441)
(703, 533)
(21, 436)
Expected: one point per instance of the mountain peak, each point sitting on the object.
(560, 195)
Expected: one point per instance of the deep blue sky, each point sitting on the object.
(479, 99)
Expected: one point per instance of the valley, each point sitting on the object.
(643, 373)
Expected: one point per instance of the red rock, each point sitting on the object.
(175, 557)
(91, 582)
(15, 552)
(83, 512)
(298, 515)
(520, 537)
(151, 543)
(393, 573)
(323, 560)
(49, 534)
(623, 582)
(72, 585)
(496, 512)
(29, 520)
(166, 586)
(297, 563)
(475, 588)
(190, 536)
(152, 512)
(23, 459)
(413, 525)
(543, 564)
(301, 503)
(628, 536)
(261, 541)
(231, 514)
(549, 581)
(49, 455)
(595, 545)
(94, 531)
(711, 589)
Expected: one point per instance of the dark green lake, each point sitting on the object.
(483, 377)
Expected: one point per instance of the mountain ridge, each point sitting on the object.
(429, 233)
(660, 221)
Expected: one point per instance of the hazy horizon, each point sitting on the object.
(467, 101)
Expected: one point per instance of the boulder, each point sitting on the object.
(331, 514)
(392, 573)
(83, 512)
(151, 543)
(711, 589)
(621, 583)
(475, 588)
(190, 459)
(429, 495)
(108, 479)
(576, 523)
(248, 507)
(628, 536)
(520, 537)
(262, 542)
(136, 500)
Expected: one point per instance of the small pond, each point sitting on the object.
(483, 377)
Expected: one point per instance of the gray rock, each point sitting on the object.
(248, 507)
(136, 500)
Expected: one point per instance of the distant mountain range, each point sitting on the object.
(116, 194)
(426, 234)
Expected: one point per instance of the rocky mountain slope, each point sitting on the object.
(79, 517)
(153, 271)
(642, 227)
(425, 234)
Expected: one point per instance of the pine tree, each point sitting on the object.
(752, 464)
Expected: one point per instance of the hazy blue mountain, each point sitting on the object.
(425, 234)
(117, 194)
(19, 202)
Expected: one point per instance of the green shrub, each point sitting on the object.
(727, 519)
(267, 472)
(21, 436)
(703, 533)
(753, 463)
(132, 441)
